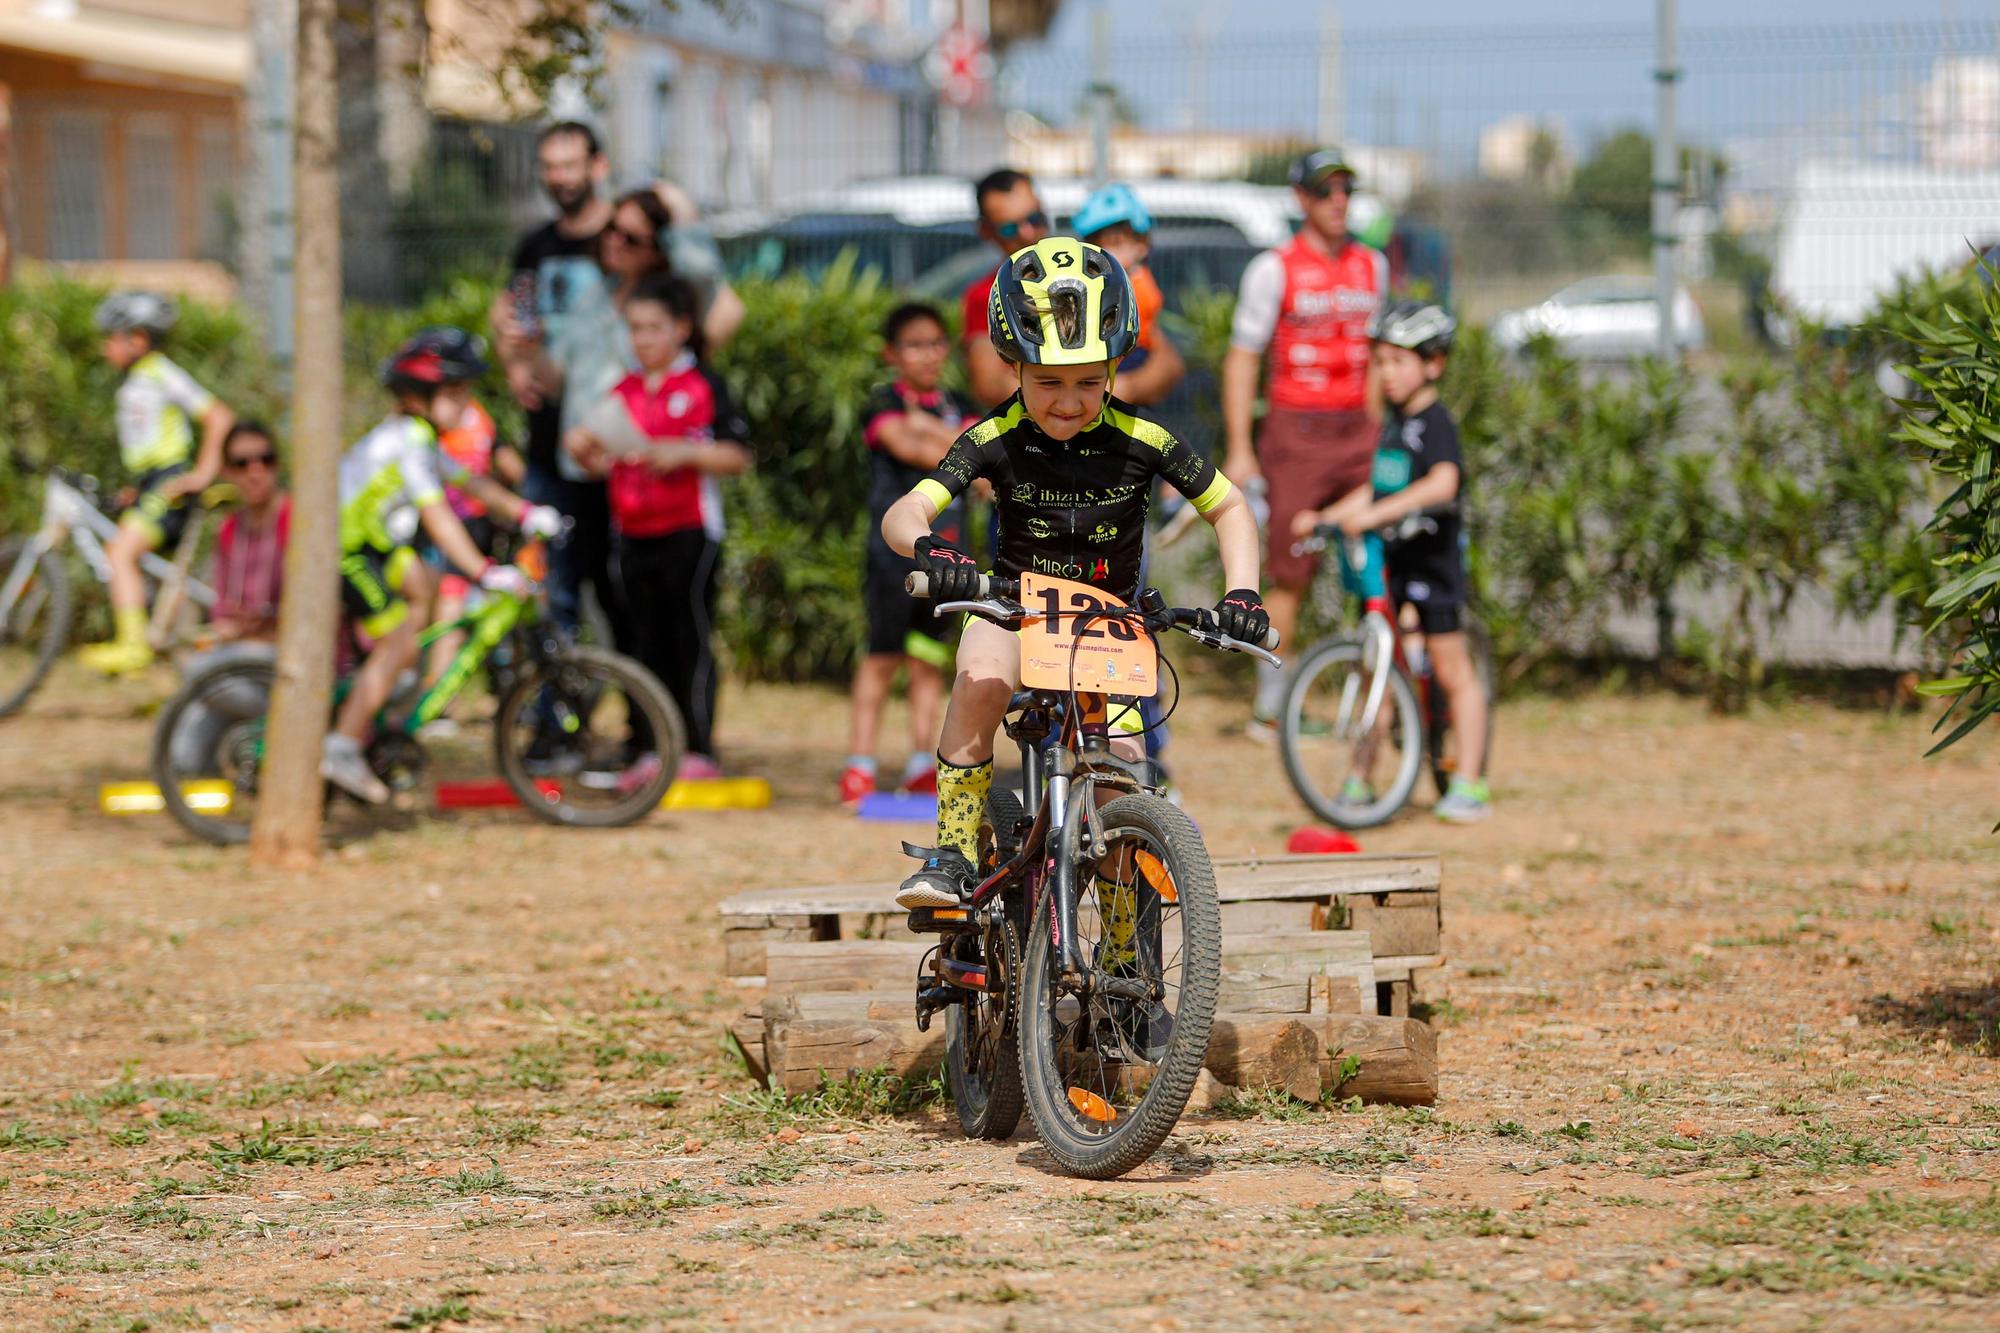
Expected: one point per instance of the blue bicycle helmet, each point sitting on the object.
(1107, 207)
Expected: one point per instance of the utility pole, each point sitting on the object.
(1101, 93)
(286, 831)
(1666, 179)
(267, 231)
(1329, 76)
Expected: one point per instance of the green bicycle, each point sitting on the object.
(583, 737)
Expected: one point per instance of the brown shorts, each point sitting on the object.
(1309, 460)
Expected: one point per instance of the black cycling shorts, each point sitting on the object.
(897, 622)
(1432, 581)
(371, 588)
(163, 517)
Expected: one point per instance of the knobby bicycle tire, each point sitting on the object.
(1410, 746)
(988, 1099)
(55, 633)
(1173, 1078)
(207, 689)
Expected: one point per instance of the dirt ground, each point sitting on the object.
(1720, 1052)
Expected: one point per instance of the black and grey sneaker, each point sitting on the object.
(945, 879)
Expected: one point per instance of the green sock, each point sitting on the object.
(961, 801)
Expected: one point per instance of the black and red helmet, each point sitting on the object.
(436, 356)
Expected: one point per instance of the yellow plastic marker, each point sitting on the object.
(717, 794)
(210, 797)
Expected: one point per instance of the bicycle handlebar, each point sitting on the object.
(1417, 522)
(1198, 623)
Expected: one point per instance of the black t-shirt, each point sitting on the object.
(890, 479)
(1409, 448)
(1076, 510)
(559, 262)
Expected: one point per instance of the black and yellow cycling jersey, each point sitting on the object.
(1074, 509)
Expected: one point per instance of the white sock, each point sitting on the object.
(918, 764)
(864, 762)
(339, 743)
(1270, 689)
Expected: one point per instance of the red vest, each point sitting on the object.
(645, 503)
(1319, 351)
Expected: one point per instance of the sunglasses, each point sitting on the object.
(1008, 231)
(253, 460)
(1332, 185)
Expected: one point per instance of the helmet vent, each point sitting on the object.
(1067, 302)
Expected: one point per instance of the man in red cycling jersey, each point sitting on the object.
(1303, 310)
(1011, 218)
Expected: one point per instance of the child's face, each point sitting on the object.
(1404, 372)
(444, 408)
(126, 346)
(1123, 244)
(1062, 400)
(919, 353)
(658, 335)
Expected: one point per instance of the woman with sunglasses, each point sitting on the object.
(249, 568)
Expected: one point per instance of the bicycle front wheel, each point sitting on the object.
(591, 739)
(34, 621)
(1108, 1062)
(1335, 752)
(208, 748)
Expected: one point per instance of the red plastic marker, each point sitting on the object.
(1312, 840)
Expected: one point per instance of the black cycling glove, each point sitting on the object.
(953, 575)
(1241, 615)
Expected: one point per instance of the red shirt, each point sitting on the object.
(977, 293)
(689, 403)
(1319, 349)
(249, 572)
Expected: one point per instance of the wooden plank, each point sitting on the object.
(814, 899)
(1340, 962)
(1246, 992)
(1266, 1051)
(1399, 967)
(810, 1037)
(842, 965)
(744, 946)
(1318, 877)
(748, 1029)
(1254, 918)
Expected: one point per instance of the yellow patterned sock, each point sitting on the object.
(1120, 905)
(961, 801)
(131, 622)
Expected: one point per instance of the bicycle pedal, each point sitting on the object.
(964, 975)
(942, 920)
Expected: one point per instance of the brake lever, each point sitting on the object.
(990, 606)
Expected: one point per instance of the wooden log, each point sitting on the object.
(1246, 992)
(1266, 1051)
(1320, 877)
(748, 1029)
(890, 925)
(843, 965)
(832, 1036)
(1398, 924)
(1343, 956)
(1396, 1058)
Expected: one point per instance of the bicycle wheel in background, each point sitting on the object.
(590, 739)
(1442, 740)
(1324, 737)
(208, 748)
(34, 622)
(1107, 1071)
(982, 1059)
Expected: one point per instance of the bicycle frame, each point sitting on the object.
(68, 513)
(486, 627)
(1382, 647)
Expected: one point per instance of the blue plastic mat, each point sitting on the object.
(898, 807)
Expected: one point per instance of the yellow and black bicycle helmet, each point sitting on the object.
(1062, 302)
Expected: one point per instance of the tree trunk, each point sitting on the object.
(6, 183)
(404, 122)
(287, 828)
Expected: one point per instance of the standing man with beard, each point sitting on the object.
(555, 268)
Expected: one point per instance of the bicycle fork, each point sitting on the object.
(1378, 653)
(1071, 807)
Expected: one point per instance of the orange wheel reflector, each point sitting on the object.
(1156, 875)
(1092, 1107)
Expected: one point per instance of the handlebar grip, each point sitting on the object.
(1270, 640)
(918, 584)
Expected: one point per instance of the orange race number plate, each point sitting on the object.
(1069, 652)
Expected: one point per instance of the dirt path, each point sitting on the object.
(1721, 1052)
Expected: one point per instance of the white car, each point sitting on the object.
(1612, 317)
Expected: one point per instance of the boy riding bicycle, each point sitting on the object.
(1418, 466)
(390, 481)
(158, 407)
(1072, 470)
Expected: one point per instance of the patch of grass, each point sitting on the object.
(1507, 1129)
(490, 1181)
(870, 1096)
(1308, 1273)
(1004, 1294)
(38, 1227)
(863, 1212)
(292, 1143)
(17, 1137)
(1265, 1104)
(1578, 1130)
(778, 1164)
(454, 1310)
(660, 1099)
(1363, 1213)
(657, 1207)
